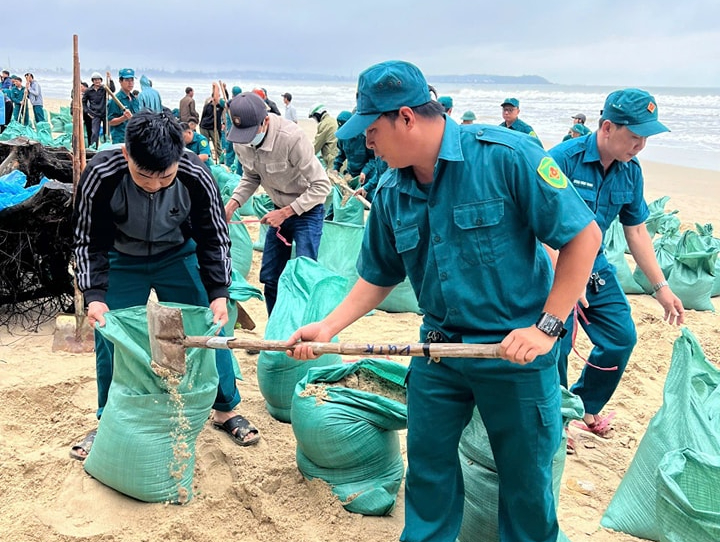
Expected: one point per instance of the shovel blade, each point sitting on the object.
(166, 333)
(73, 334)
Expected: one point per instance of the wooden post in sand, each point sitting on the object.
(73, 334)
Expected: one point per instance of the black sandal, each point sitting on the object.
(85, 445)
(238, 428)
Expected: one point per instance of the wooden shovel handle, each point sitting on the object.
(433, 350)
(115, 98)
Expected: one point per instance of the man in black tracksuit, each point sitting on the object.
(148, 216)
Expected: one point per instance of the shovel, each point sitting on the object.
(168, 343)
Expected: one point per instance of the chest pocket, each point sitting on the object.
(407, 239)
(481, 236)
(276, 168)
(621, 197)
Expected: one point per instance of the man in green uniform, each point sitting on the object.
(462, 213)
(17, 96)
(118, 116)
(197, 143)
(510, 113)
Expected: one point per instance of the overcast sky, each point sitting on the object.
(602, 42)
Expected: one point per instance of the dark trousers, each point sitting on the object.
(611, 330)
(175, 277)
(94, 135)
(305, 230)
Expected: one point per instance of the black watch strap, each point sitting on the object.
(551, 325)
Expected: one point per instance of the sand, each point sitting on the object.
(257, 493)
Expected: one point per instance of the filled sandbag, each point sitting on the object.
(706, 234)
(307, 292)
(658, 221)
(688, 499)
(339, 249)
(665, 247)
(145, 443)
(615, 249)
(345, 419)
(692, 276)
(688, 418)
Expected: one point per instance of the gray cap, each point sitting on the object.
(247, 112)
(580, 117)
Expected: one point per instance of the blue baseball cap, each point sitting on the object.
(580, 129)
(126, 73)
(446, 101)
(343, 117)
(636, 109)
(382, 88)
(511, 101)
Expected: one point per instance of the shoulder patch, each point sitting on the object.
(204, 143)
(551, 173)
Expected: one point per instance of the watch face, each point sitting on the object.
(550, 325)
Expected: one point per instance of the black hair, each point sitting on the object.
(428, 110)
(185, 126)
(188, 90)
(154, 140)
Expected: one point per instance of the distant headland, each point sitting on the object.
(281, 76)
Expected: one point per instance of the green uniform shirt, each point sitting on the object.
(470, 241)
(117, 133)
(200, 145)
(521, 126)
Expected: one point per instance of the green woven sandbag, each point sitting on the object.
(241, 247)
(262, 205)
(339, 249)
(692, 276)
(615, 248)
(145, 444)
(345, 419)
(665, 247)
(480, 515)
(706, 234)
(240, 290)
(688, 418)
(688, 498)
(307, 292)
(658, 221)
(346, 209)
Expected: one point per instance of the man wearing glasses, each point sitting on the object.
(510, 113)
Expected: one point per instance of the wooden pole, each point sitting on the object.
(78, 153)
(115, 98)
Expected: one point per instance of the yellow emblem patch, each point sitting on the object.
(203, 143)
(551, 174)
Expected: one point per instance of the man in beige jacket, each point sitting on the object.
(276, 153)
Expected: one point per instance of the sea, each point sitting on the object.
(692, 114)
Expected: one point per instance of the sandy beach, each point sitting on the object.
(257, 494)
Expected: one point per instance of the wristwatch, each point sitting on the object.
(551, 325)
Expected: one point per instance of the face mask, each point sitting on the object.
(257, 139)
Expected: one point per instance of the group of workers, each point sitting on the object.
(500, 239)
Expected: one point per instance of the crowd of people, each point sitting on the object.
(21, 95)
(456, 207)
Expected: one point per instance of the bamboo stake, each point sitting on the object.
(78, 153)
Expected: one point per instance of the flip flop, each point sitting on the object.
(85, 445)
(244, 428)
(600, 427)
